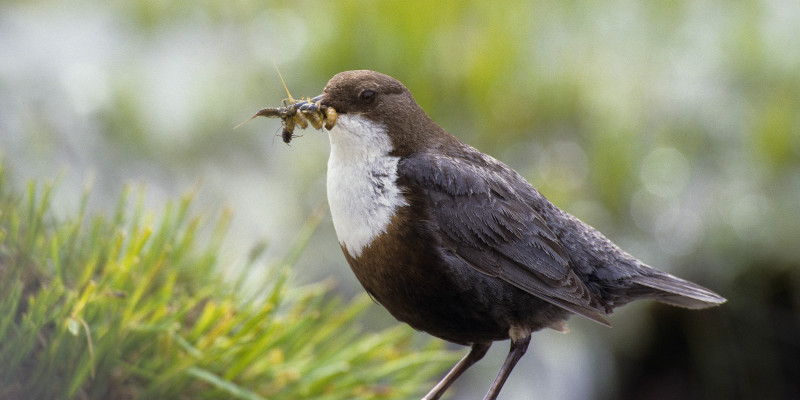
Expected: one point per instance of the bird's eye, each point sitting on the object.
(367, 96)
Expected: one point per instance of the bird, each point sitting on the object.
(457, 244)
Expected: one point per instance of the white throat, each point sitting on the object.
(362, 191)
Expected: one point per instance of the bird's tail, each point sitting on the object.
(679, 292)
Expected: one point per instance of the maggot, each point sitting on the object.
(300, 113)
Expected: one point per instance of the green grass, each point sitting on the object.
(133, 305)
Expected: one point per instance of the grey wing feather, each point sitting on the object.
(482, 218)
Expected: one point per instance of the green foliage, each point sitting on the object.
(132, 306)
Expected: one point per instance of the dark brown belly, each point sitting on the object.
(427, 301)
(420, 283)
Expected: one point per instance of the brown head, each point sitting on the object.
(385, 101)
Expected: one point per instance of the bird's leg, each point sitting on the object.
(520, 338)
(478, 351)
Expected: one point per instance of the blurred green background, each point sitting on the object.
(673, 127)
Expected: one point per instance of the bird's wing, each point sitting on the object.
(477, 204)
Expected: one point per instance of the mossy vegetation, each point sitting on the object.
(132, 305)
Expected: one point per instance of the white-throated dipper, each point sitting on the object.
(457, 244)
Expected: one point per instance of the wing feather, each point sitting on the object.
(476, 203)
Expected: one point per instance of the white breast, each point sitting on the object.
(362, 189)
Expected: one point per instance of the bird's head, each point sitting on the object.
(371, 103)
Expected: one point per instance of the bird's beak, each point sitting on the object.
(316, 113)
(310, 105)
